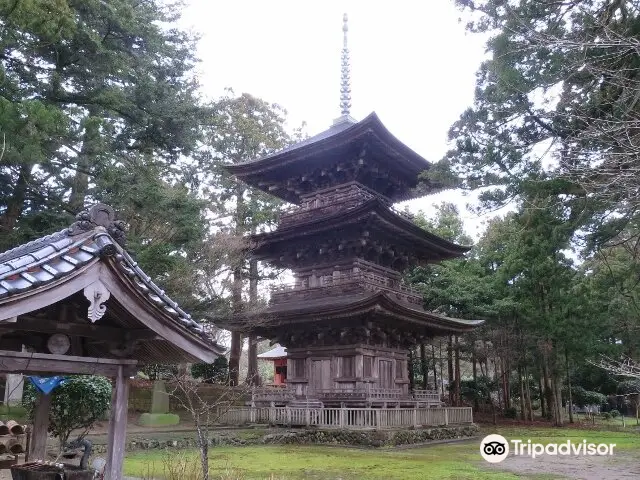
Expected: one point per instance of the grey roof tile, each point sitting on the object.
(44, 252)
(56, 255)
(16, 263)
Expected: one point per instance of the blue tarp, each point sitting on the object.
(47, 384)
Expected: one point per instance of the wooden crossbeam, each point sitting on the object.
(88, 330)
(37, 363)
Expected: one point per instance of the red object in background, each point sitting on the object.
(280, 371)
(278, 356)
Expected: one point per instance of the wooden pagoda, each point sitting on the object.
(348, 320)
(75, 302)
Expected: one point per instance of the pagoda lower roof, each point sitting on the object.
(276, 172)
(424, 244)
(382, 304)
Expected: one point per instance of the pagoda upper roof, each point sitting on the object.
(423, 243)
(347, 140)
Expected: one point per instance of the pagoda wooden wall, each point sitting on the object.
(347, 368)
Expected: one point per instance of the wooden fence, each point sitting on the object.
(348, 418)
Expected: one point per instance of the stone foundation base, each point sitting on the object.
(353, 438)
(371, 438)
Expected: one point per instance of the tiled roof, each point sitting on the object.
(95, 234)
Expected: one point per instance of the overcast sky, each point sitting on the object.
(411, 62)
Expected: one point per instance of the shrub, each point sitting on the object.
(614, 413)
(583, 398)
(78, 403)
(628, 387)
(216, 372)
(606, 416)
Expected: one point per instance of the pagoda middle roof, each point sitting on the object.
(403, 315)
(273, 173)
(423, 243)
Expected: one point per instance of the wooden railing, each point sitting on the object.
(426, 395)
(362, 394)
(334, 200)
(272, 394)
(349, 418)
(366, 280)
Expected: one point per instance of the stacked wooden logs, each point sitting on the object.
(13, 441)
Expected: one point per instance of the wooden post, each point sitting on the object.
(446, 416)
(40, 427)
(117, 436)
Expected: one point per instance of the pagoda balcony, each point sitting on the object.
(332, 201)
(343, 284)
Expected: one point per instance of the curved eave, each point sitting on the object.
(386, 216)
(380, 302)
(55, 267)
(401, 157)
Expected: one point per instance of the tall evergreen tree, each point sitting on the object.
(246, 128)
(98, 102)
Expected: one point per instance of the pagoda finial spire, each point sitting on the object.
(345, 80)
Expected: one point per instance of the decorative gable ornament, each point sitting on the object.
(97, 294)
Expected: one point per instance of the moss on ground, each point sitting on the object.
(158, 419)
(459, 461)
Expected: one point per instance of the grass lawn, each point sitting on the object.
(460, 461)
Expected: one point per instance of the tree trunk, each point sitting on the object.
(441, 371)
(528, 392)
(253, 376)
(458, 400)
(15, 204)
(523, 401)
(236, 338)
(506, 381)
(543, 410)
(424, 366)
(235, 352)
(85, 161)
(450, 368)
(557, 383)
(549, 394)
(496, 379)
(569, 399)
(435, 371)
(474, 366)
(412, 385)
(503, 385)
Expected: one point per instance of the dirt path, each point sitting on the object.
(620, 466)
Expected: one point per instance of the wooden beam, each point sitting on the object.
(87, 330)
(36, 363)
(38, 445)
(117, 435)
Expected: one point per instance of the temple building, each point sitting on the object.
(348, 320)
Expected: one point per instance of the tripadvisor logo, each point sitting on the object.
(495, 448)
